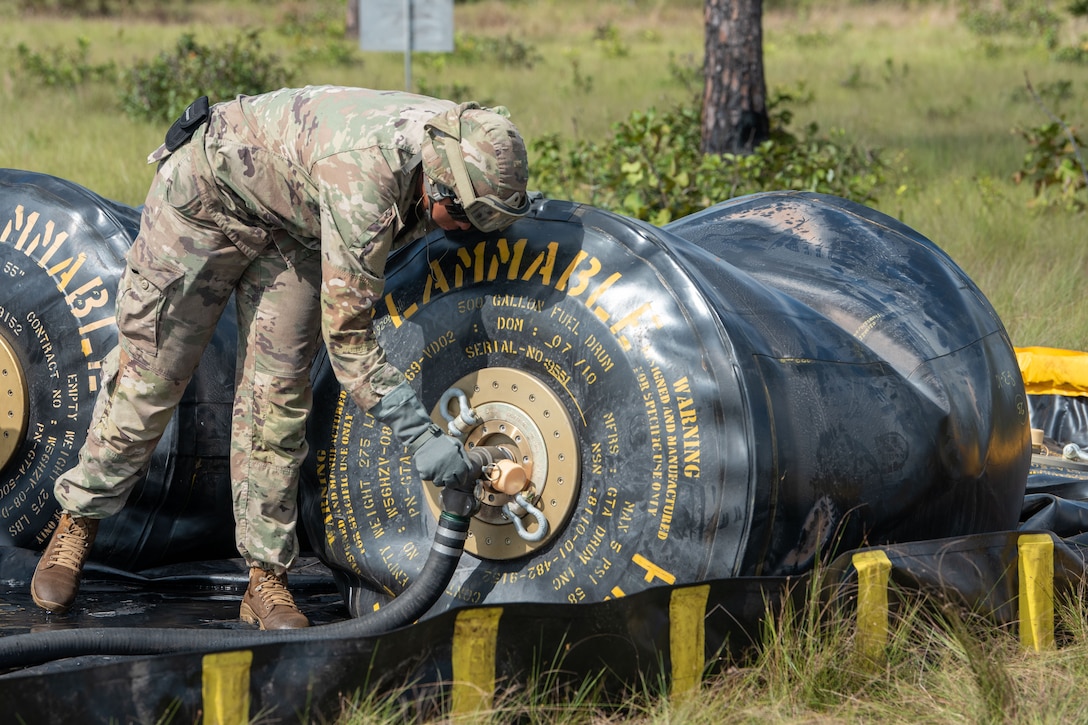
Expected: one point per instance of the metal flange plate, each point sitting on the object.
(14, 406)
(521, 414)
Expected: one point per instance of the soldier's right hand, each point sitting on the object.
(438, 457)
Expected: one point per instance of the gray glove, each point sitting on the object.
(438, 457)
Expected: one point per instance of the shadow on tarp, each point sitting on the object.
(622, 645)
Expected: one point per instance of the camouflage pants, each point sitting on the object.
(180, 274)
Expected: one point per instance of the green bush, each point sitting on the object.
(651, 167)
(160, 89)
(1054, 166)
(458, 92)
(1074, 53)
(1028, 19)
(319, 36)
(160, 9)
(507, 51)
(63, 68)
(82, 8)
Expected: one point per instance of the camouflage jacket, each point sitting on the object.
(338, 169)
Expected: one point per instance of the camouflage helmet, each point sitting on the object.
(479, 156)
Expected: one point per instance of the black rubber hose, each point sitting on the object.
(26, 650)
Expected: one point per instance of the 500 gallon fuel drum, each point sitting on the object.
(774, 378)
(62, 250)
(734, 394)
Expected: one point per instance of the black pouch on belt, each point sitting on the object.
(187, 124)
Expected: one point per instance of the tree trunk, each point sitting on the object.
(735, 96)
(352, 24)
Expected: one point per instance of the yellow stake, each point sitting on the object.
(1036, 568)
(225, 688)
(874, 569)
(687, 638)
(474, 636)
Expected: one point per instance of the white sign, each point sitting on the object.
(406, 25)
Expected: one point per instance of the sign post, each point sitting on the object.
(406, 25)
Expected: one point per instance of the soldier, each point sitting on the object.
(291, 202)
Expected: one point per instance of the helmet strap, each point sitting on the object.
(463, 184)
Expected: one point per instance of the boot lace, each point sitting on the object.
(273, 591)
(71, 547)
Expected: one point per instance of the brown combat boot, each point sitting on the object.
(267, 602)
(56, 579)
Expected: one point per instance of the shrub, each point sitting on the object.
(1028, 19)
(160, 89)
(59, 67)
(651, 167)
(507, 51)
(1054, 166)
(1074, 53)
(319, 36)
(458, 92)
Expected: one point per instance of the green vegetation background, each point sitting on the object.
(938, 95)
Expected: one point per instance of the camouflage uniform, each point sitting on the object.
(291, 201)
